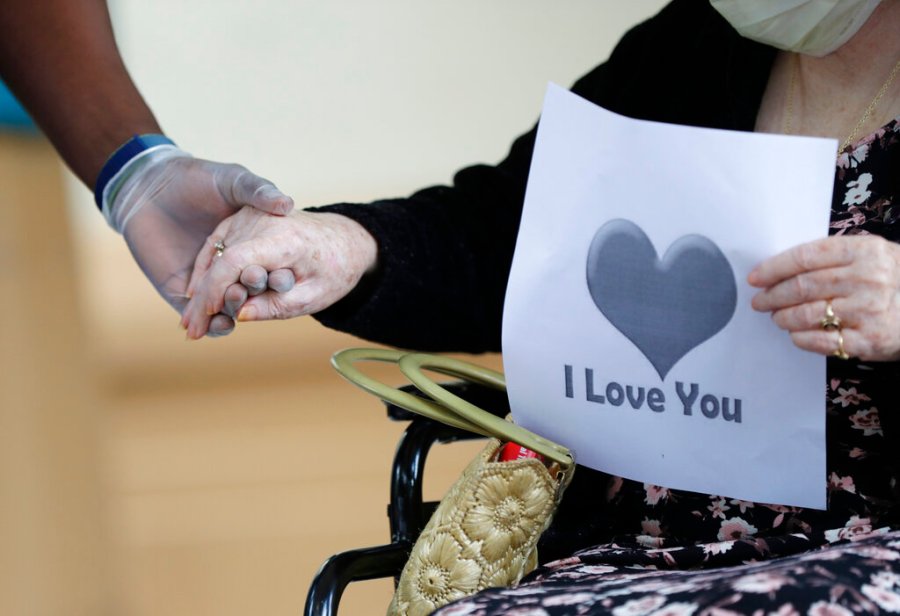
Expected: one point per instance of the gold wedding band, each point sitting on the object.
(220, 247)
(839, 352)
(831, 321)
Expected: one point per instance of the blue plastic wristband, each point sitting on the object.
(120, 158)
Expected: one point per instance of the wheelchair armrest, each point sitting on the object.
(407, 512)
(352, 566)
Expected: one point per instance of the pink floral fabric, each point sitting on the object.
(858, 577)
(660, 552)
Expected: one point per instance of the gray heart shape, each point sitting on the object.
(665, 307)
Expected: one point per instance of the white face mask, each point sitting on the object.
(814, 27)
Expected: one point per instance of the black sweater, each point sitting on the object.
(445, 252)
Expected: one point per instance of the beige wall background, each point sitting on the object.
(215, 476)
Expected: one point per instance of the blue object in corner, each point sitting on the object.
(12, 115)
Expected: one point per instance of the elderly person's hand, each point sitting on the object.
(859, 275)
(167, 206)
(327, 253)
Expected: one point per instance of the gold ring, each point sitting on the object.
(831, 321)
(839, 352)
(220, 247)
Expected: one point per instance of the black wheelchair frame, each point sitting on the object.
(407, 513)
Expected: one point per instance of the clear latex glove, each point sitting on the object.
(166, 203)
(326, 253)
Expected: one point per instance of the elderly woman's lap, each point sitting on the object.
(861, 576)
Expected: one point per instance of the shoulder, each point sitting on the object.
(685, 65)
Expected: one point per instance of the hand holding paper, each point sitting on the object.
(859, 275)
(628, 330)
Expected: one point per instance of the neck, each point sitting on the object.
(869, 54)
(832, 93)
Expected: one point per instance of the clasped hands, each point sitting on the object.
(172, 209)
(325, 254)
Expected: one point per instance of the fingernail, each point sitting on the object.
(247, 313)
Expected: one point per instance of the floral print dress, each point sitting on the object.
(665, 552)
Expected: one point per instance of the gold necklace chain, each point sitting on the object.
(789, 105)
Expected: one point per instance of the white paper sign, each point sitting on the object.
(628, 334)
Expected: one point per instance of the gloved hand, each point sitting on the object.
(327, 253)
(166, 203)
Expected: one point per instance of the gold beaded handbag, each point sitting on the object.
(485, 530)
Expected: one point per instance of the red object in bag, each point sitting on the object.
(514, 451)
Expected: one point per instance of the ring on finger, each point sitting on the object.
(839, 352)
(219, 245)
(830, 321)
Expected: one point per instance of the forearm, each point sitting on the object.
(443, 261)
(61, 60)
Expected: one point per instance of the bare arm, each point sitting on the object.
(61, 60)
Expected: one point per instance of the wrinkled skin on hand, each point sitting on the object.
(327, 254)
(858, 274)
(168, 209)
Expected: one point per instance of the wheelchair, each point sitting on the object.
(407, 513)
